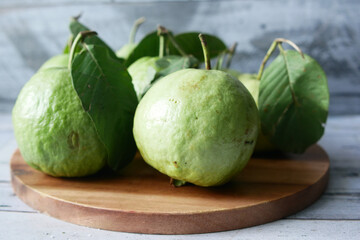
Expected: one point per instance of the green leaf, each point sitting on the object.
(108, 96)
(293, 101)
(148, 46)
(170, 64)
(190, 43)
(76, 27)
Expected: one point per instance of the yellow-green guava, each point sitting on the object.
(252, 84)
(54, 133)
(61, 61)
(198, 126)
(142, 73)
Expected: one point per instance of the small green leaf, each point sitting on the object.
(175, 63)
(108, 96)
(162, 63)
(148, 46)
(293, 101)
(190, 43)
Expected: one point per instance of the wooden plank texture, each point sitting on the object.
(46, 228)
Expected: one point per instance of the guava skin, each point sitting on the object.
(142, 72)
(252, 84)
(198, 126)
(126, 50)
(61, 61)
(54, 134)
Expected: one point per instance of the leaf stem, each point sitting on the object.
(296, 47)
(161, 33)
(230, 55)
(206, 52)
(268, 54)
(172, 40)
(80, 37)
(277, 42)
(134, 29)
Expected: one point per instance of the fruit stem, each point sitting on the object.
(177, 183)
(161, 33)
(277, 42)
(134, 29)
(173, 41)
(230, 55)
(80, 37)
(206, 52)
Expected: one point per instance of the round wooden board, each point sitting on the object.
(141, 200)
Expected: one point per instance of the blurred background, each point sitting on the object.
(328, 30)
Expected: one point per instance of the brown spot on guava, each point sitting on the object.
(249, 141)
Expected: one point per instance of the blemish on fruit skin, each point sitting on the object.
(173, 100)
(175, 164)
(73, 140)
(249, 142)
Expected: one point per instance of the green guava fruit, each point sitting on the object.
(54, 133)
(126, 50)
(232, 72)
(198, 126)
(142, 73)
(252, 84)
(61, 61)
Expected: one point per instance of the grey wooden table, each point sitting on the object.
(336, 215)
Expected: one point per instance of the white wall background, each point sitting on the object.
(328, 30)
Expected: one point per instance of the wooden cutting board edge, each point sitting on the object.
(169, 223)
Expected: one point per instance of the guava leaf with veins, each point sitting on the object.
(293, 101)
(108, 96)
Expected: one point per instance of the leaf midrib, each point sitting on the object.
(289, 79)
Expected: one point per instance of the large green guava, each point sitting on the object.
(53, 132)
(198, 126)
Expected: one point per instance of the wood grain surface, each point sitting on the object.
(141, 200)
